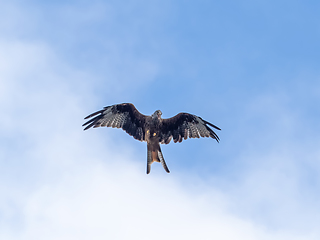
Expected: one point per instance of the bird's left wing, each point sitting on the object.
(185, 125)
(124, 116)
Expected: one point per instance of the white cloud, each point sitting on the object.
(83, 189)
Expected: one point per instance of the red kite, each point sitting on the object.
(152, 129)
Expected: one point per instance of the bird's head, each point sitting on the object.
(157, 114)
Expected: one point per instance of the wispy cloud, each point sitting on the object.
(71, 188)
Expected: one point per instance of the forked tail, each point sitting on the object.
(155, 156)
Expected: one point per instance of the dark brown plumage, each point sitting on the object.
(152, 129)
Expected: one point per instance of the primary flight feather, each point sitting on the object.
(151, 129)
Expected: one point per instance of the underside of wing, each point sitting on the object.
(185, 125)
(124, 116)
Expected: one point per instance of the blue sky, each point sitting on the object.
(249, 67)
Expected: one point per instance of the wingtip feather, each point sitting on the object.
(93, 114)
(210, 124)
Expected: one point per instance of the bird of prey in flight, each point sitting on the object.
(152, 129)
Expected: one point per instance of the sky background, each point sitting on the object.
(249, 67)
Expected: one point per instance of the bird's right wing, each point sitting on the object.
(185, 125)
(124, 116)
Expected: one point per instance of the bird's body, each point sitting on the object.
(152, 134)
(152, 129)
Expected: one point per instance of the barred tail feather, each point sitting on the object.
(149, 160)
(164, 165)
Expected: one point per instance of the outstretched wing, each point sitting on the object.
(185, 125)
(124, 116)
